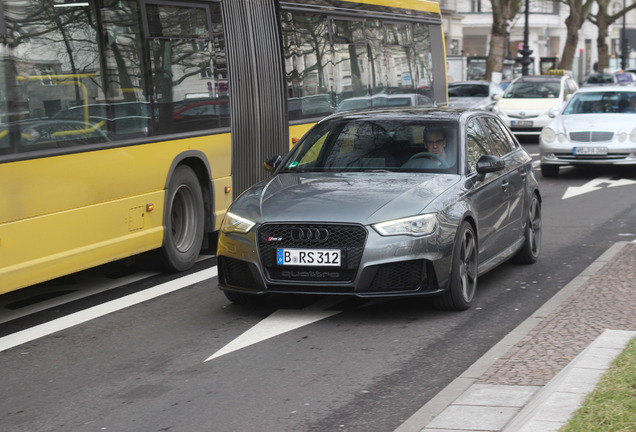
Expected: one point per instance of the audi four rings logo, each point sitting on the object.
(310, 234)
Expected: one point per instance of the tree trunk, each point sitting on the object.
(601, 41)
(498, 39)
(573, 23)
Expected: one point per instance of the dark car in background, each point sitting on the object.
(473, 94)
(385, 203)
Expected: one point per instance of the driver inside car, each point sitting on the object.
(435, 155)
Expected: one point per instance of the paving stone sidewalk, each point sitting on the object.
(518, 386)
(607, 300)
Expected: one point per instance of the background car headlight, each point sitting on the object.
(496, 109)
(548, 135)
(632, 136)
(235, 223)
(414, 226)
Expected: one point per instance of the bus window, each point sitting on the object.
(56, 66)
(400, 56)
(424, 60)
(350, 62)
(377, 60)
(188, 42)
(307, 50)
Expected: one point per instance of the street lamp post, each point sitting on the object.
(623, 43)
(525, 52)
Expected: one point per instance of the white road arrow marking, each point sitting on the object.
(280, 322)
(594, 185)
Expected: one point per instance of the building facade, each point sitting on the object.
(467, 27)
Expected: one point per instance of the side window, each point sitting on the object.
(350, 59)
(307, 54)
(189, 74)
(500, 141)
(476, 144)
(75, 83)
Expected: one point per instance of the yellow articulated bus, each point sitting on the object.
(129, 125)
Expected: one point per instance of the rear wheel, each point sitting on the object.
(529, 252)
(463, 279)
(549, 170)
(184, 220)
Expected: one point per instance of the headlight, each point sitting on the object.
(414, 226)
(548, 135)
(622, 137)
(235, 223)
(632, 136)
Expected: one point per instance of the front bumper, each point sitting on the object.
(375, 267)
(565, 154)
(527, 126)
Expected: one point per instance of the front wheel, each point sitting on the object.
(529, 252)
(463, 278)
(184, 220)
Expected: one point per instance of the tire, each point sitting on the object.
(529, 252)
(184, 220)
(463, 278)
(244, 299)
(549, 171)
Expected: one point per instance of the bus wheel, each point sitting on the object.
(184, 224)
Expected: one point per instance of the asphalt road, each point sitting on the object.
(125, 350)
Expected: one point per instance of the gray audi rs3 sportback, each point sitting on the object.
(385, 203)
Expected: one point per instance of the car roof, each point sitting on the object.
(469, 82)
(605, 89)
(405, 113)
(540, 78)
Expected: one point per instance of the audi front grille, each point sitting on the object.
(350, 239)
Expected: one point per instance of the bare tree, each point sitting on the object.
(603, 20)
(579, 12)
(502, 12)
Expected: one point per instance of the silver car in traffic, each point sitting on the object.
(597, 127)
(400, 202)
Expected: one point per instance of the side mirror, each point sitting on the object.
(489, 163)
(272, 163)
(496, 96)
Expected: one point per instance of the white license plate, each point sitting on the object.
(308, 257)
(521, 123)
(590, 150)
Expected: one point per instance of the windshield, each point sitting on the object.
(533, 90)
(468, 90)
(602, 102)
(600, 79)
(377, 144)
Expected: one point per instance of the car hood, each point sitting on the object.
(342, 197)
(599, 122)
(468, 102)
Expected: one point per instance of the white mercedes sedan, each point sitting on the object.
(597, 127)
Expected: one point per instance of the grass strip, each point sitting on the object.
(611, 407)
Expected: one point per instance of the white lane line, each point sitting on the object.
(281, 321)
(80, 317)
(596, 184)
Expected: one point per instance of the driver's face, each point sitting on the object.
(435, 142)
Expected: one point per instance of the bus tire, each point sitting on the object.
(184, 220)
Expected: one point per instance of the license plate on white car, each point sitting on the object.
(308, 257)
(521, 123)
(590, 150)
